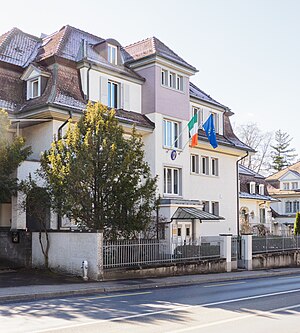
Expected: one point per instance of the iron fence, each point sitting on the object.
(234, 248)
(145, 252)
(275, 244)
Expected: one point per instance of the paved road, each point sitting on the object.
(255, 305)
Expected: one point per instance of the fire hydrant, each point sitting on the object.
(84, 267)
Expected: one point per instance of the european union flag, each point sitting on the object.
(209, 128)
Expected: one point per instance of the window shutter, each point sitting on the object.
(126, 96)
(103, 90)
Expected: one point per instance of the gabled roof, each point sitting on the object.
(294, 167)
(295, 173)
(150, 47)
(201, 95)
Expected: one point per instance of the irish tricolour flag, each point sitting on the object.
(193, 129)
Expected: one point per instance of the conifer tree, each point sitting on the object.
(297, 224)
(282, 154)
(99, 178)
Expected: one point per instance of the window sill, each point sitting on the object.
(173, 89)
(204, 175)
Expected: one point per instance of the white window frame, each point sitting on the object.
(216, 121)
(286, 186)
(294, 185)
(252, 188)
(206, 206)
(215, 170)
(175, 174)
(215, 205)
(205, 170)
(261, 189)
(199, 111)
(118, 93)
(171, 80)
(30, 84)
(110, 49)
(195, 164)
(171, 130)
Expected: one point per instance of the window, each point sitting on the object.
(199, 112)
(204, 165)
(261, 189)
(252, 187)
(187, 231)
(286, 186)
(194, 163)
(215, 167)
(112, 54)
(216, 121)
(171, 132)
(262, 215)
(33, 88)
(179, 82)
(113, 94)
(288, 207)
(294, 185)
(171, 181)
(171, 80)
(205, 206)
(179, 232)
(215, 208)
(164, 77)
(295, 206)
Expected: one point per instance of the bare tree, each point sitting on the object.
(260, 141)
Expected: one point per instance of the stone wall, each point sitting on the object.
(201, 267)
(278, 259)
(15, 254)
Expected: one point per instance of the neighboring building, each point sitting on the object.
(255, 201)
(285, 187)
(46, 80)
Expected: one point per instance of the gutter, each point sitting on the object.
(59, 131)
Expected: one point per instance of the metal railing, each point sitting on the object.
(234, 248)
(145, 252)
(275, 244)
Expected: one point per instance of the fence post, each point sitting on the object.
(225, 250)
(100, 255)
(247, 251)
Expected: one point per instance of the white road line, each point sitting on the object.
(222, 284)
(179, 308)
(257, 314)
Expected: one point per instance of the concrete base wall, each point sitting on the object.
(205, 266)
(15, 254)
(273, 260)
(68, 250)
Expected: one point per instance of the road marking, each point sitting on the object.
(257, 314)
(289, 277)
(113, 296)
(178, 308)
(222, 284)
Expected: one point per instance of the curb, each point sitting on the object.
(165, 284)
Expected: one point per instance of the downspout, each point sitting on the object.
(59, 136)
(88, 82)
(238, 192)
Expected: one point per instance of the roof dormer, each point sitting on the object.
(109, 49)
(36, 78)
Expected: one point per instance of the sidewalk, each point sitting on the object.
(59, 287)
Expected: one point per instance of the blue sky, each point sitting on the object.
(247, 51)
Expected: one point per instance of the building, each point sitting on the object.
(255, 203)
(285, 187)
(46, 80)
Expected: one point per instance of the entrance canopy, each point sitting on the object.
(187, 213)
